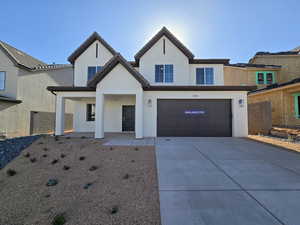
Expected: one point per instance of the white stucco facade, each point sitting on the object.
(119, 84)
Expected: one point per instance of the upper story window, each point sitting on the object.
(2, 80)
(164, 73)
(92, 70)
(265, 77)
(205, 76)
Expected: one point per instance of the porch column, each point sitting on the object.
(139, 119)
(60, 115)
(99, 116)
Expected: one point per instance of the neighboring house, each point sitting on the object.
(164, 92)
(284, 95)
(25, 106)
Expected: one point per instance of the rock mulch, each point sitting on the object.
(11, 148)
(104, 188)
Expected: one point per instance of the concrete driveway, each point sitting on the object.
(227, 181)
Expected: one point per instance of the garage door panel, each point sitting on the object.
(194, 117)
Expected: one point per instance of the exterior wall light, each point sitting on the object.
(149, 103)
(241, 103)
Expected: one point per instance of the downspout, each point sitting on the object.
(54, 111)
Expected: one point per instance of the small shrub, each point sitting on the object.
(133, 161)
(93, 168)
(86, 186)
(56, 138)
(111, 148)
(45, 149)
(126, 176)
(66, 168)
(45, 155)
(59, 219)
(52, 182)
(54, 161)
(81, 158)
(27, 155)
(136, 148)
(114, 210)
(47, 196)
(40, 143)
(33, 160)
(62, 155)
(11, 172)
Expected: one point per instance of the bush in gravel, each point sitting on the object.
(136, 148)
(62, 155)
(86, 186)
(33, 160)
(27, 155)
(59, 219)
(111, 148)
(82, 158)
(45, 149)
(40, 143)
(114, 210)
(56, 138)
(54, 161)
(66, 168)
(11, 172)
(52, 182)
(133, 161)
(126, 176)
(93, 168)
(45, 155)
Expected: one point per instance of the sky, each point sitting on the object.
(51, 30)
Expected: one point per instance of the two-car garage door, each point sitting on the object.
(194, 117)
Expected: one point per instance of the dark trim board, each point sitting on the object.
(194, 118)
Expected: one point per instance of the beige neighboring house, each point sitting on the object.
(26, 107)
(277, 76)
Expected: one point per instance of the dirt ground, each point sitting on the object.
(123, 190)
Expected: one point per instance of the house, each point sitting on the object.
(165, 91)
(25, 106)
(284, 93)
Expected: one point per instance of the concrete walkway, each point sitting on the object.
(227, 181)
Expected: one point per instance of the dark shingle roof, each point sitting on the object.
(51, 67)
(19, 58)
(276, 85)
(164, 32)
(111, 64)
(95, 36)
(8, 99)
(244, 65)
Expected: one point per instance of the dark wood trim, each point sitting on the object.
(209, 61)
(200, 88)
(69, 88)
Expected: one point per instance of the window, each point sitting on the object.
(164, 73)
(90, 112)
(265, 77)
(205, 76)
(2, 80)
(92, 70)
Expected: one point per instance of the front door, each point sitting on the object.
(128, 117)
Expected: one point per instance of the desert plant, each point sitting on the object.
(114, 210)
(62, 155)
(33, 160)
(126, 176)
(45, 149)
(40, 143)
(59, 219)
(11, 172)
(52, 182)
(45, 155)
(133, 161)
(66, 167)
(54, 161)
(82, 158)
(92, 168)
(27, 155)
(136, 148)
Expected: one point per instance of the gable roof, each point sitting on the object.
(110, 65)
(164, 32)
(20, 58)
(95, 36)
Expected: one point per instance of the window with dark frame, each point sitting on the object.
(90, 112)
(205, 76)
(2, 80)
(164, 73)
(164, 46)
(269, 79)
(260, 78)
(92, 70)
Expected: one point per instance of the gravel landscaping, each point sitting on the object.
(88, 184)
(11, 148)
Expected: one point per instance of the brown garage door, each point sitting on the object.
(194, 117)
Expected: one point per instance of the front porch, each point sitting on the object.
(99, 113)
